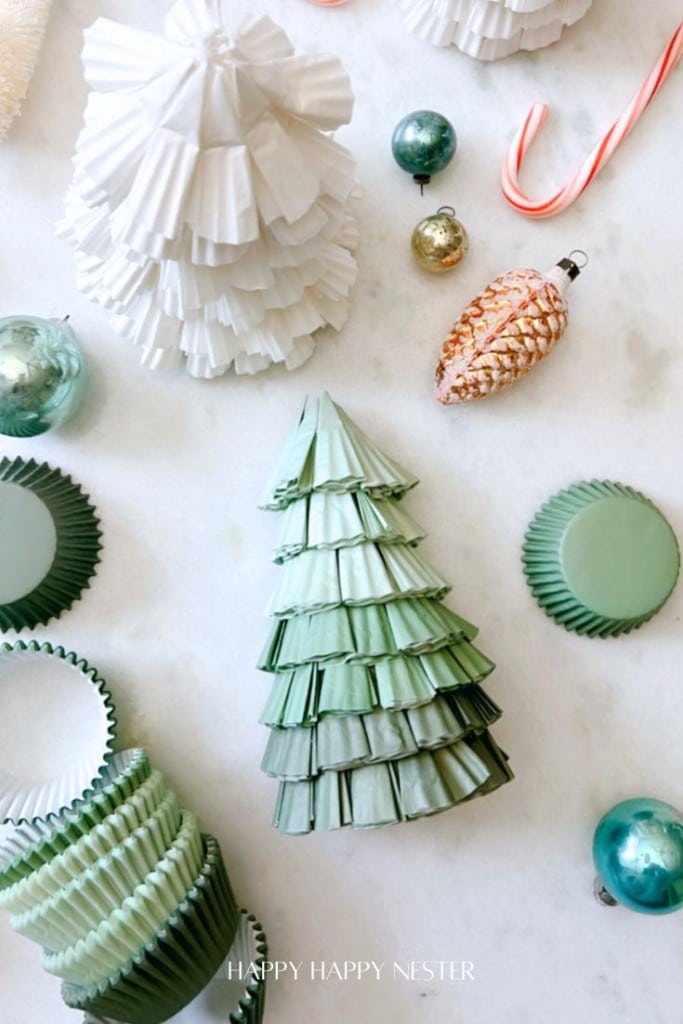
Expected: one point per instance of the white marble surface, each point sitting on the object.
(173, 619)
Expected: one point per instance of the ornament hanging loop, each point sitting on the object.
(579, 254)
(447, 209)
(602, 896)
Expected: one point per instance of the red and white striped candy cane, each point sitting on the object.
(600, 155)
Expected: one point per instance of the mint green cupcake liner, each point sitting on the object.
(323, 521)
(226, 998)
(72, 526)
(34, 781)
(33, 844)
(366, 633)
(119, 938)
(83, 854)
(179, 962)
(363, 574)
(385, 794)
(302, 695)
(600, 558)
(91, 896)
(342, 742)
(328, 452)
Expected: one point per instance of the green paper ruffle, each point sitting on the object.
(301, 696)
(391, 792)
(78, 544)
(322, 520)
(318, 580)
(340, 742)
(328, 452)
(366, 633)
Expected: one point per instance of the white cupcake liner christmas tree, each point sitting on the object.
(209, 205)
(376, 712)
(491, 29)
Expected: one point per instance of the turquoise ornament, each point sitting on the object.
(423, 144)
(41, 375)
(638, 854)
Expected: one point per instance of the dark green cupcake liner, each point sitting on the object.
(77, 551)
(182, 959)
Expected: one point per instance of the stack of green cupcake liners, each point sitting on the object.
(376, 712)
(130, 901)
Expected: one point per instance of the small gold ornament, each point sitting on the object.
(439, 242)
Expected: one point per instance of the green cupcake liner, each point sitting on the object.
(77, 544)
(26, 794)
(33, 844)
(128, 929)
(328, 452)
(181, 959)
(320, 579)
(600, 558)
(91, 896)
(385, 794)
(237, 991)
(322, 521)
(86, 851)
(341, 742)
(367, 633)
(302, 696)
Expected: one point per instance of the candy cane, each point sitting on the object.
(602, 152)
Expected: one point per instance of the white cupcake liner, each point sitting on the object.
(75, 708)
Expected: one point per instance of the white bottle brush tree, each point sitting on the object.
(376, 712)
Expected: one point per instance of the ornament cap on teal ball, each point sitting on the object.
(423, 143)
(638, 854)
(42, 373)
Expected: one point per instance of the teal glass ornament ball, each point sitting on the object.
(638, 854)
(42, 374)
(423, 143)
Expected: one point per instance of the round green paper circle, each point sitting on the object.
(619, 558)
(28, 541)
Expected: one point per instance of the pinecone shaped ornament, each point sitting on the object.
(504, 332)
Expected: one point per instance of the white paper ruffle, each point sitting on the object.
(491, 29)
(209, 206)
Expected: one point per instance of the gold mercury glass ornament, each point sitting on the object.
(439, 242)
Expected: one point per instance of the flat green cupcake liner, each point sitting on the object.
(179, 962)
(302, 696)
(366, 633)
(91, 896)
(320, 579)
(600, 558)
(87, 850)
(385, 794)
(342, 742)
(26, 797)
(237, 991)
(119, 938)
(321, 521)
(328, 452)
(77, 544)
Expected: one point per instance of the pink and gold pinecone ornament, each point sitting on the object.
(504, 331)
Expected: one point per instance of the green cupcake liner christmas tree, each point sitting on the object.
(376, 712)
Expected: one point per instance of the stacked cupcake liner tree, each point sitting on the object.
(130, 901)
(376, 712)
(492, 29)
(209, 208)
